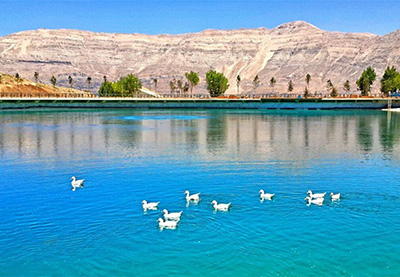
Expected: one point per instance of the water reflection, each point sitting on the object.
(272, 135)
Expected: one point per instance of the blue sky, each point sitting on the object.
(179, 16)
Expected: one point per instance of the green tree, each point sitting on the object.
(172, 86)
(256, 83)
(238, 80)
(53, 81)
(179, 84)
(272, 83)
(366, 80)
(186, 87)
(331, 89)
(106, 89)
(155, 81)
(290, 86)
(217, 83)
(70, 81)
(36, 76)
(193, 79)
(127, 86)
(306, 92)
(346, 86)
(88, 81)
(308, 79)
(389, 82)
(130, 85)
(334, 92)
(17, 77)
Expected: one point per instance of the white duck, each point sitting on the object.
(76, 183)
(167, 224)
(150, 206)
(315, 201)
(172, 216)
(335, 196)
(316, 195)
(193, 197)
(267, 196)
(220, 207)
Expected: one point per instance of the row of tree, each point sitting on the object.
(128, 86)
(217, 83)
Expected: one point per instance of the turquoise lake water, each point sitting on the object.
(128, 156)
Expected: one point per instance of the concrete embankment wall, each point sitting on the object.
(140, 103)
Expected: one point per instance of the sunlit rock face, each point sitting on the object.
(287, 52)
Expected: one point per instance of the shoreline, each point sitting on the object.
(206, 103)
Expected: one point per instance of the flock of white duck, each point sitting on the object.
(170, 220)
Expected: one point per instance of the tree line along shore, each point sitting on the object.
(217, 85)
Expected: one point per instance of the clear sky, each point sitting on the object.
(183, 16)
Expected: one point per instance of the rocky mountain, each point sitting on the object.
(287, 52)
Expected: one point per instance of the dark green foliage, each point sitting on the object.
(106, 89)
(186, 87)
(127, 86)
(155, 81)
(346, 86)
(331, 89)
(329, 85)
(88, 81)
(308, 79)
(272, 82)
(256, 83)
(193, 79)
(306, 92)
(172, 85)
(334, 92)
(70, 81)
(238, 80)
(180, 86)
(290, 86)
(217, 83)
(390, 81)
(53, 81)
(366, 80)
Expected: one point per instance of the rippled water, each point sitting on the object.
(128, 156)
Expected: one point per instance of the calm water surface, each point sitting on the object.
(127, 156)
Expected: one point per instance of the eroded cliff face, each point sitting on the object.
(287, 52)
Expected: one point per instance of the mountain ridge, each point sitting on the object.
(286, 52)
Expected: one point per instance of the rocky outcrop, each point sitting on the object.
(287, 52)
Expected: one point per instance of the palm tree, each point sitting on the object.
(172, 86)
(53, 81)
(88, 81)
(193, 79)
(36, 76)
(256, 83)
(346, 86)
(272, 83)
(70, 81)
(17, 77)
(238, 80)
(290, 86)
(155, 84)
(180, 86)
(308, 79)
